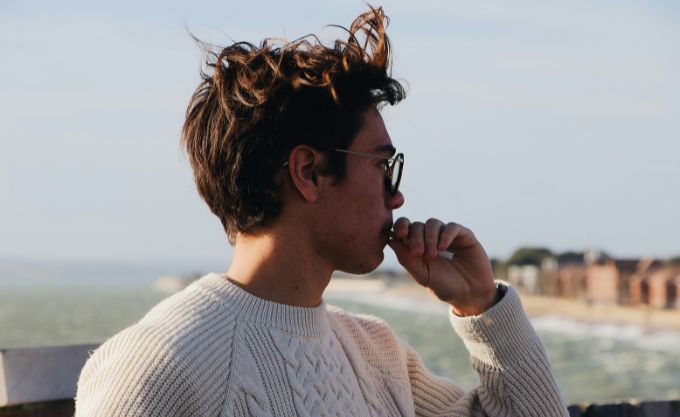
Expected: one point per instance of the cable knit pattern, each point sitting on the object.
(215, 350)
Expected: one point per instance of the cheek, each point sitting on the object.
(360, 209)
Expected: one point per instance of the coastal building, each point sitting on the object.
(498, 268)
(570, 275)
(572, 281)
(548, 283)
(673, 291)
(173, 284)
(663, 287)
(607, 280)
(638, 283)
(524, 277)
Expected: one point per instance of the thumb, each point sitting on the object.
(415, 266)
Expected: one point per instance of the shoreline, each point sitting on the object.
(648, 318)
(414, 297)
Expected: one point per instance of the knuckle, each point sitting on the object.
(432, 237)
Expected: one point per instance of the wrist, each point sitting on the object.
(478, 305)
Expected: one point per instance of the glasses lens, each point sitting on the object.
(389, 186)
(394, 173)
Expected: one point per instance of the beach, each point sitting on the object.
(407, 293)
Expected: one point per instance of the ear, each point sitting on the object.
(303, 167)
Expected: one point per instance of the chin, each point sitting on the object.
(362, 266)
(371, 265)
(362, 259)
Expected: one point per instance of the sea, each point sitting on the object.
(593, 363)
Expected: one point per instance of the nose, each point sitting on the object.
(395, 201)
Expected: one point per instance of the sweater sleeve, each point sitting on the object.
(135, 376)
(174, 362)
(515, 376)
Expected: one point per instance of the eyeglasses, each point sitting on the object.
(393, 167)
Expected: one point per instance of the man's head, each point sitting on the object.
(257, 104)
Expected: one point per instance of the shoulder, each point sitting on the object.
(181, 346)
(182, 326)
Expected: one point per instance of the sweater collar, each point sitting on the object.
(303, 321)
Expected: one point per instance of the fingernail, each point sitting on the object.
(445, 254)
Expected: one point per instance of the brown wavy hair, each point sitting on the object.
(255, 104)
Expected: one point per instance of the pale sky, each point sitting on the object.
(534, 123)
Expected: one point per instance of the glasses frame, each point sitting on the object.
(389, 167)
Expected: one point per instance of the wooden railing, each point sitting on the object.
(63, 408)
(629, 409)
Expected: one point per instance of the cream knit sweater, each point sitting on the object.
(216, 350)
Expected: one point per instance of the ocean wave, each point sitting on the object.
(636, 335)
(394, 302)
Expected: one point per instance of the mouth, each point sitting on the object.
(386, 231)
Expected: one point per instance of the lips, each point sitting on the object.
(387, 230)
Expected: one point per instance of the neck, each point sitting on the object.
(279, 269)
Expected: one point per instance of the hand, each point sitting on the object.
(464, 281)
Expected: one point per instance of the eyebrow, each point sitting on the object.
(386, 148)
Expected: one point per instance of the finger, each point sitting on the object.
(415, 266)
(416, 238)
(448, 235)
(433, 228)
(400, 228)
(464, 239)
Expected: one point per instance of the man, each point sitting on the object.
(289, 150)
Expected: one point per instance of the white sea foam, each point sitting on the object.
(639, 336)
(668, 341)
(580, 329)
(393, 302)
